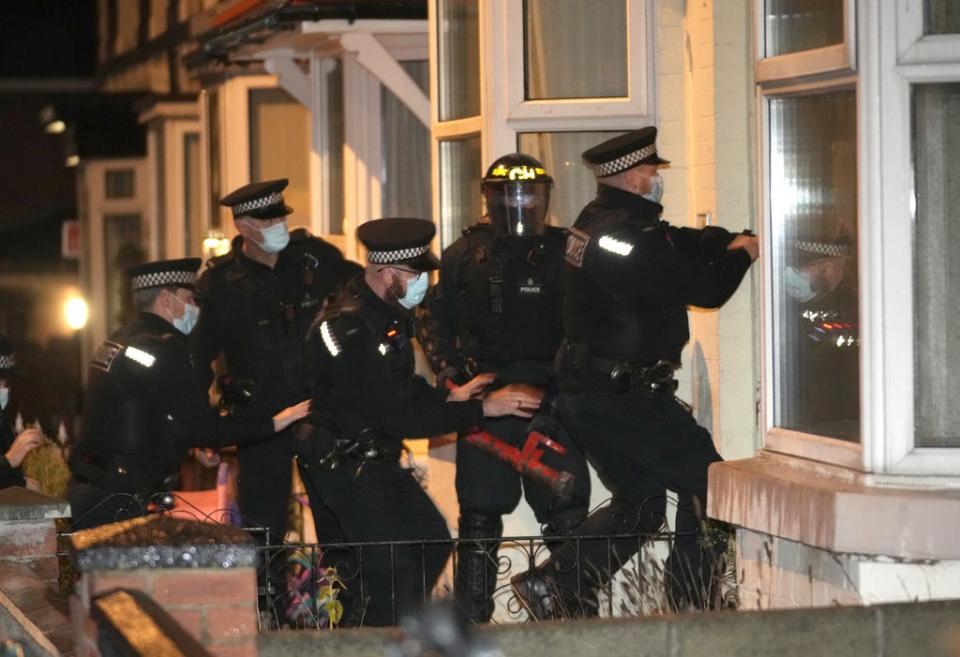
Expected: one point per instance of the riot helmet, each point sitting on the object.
(517, 190)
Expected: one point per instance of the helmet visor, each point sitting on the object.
(518, 207)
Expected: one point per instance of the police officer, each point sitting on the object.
(259, 300)
(497, 309)
(13, 447)
(144, 409)
(367, 401)
(630, 278)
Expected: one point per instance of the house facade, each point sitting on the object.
(826, 126)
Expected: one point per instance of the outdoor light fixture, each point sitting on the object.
(72, 160)
(215, 244)
(56, 127)
(76, 312)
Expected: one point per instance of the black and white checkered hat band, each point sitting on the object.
(824, 248)
(163, 278)
(6, 362)
(399, 255)
(623, 162)
(241, 209)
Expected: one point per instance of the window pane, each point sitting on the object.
(575, 49)
(795, 25)
(118, 183)
(460, 176)
(406, 152)
(458, 42)
(936, 134)
(213, 154)
(941, 17)
(574, 185)
(123, 247)
(280, 147)
(332, 186)
(192, 222)
(813, 215)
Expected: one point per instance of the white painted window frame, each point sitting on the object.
(504, 110)
(813, 71)
(887, 193)
(839, 58)
(97, 207)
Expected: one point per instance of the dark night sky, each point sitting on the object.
(40, 40)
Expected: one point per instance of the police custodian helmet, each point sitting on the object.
(517, 189)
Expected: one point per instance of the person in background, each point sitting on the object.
(13, 448)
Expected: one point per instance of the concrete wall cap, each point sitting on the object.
(18, 503)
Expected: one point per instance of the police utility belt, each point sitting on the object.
(369, 445)
(624, 376)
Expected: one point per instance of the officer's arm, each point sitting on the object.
(396, 403)
(169, 374)
(703, 244)
(209, 335)
(652, 269)
(437, 323)
(9, 475)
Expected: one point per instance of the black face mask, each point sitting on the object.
(518, 207)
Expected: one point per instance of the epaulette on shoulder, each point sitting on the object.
(557, 231)
(300, 235)
(469, 230)
(340, 305)
(221, 260)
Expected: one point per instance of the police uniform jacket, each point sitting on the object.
(631, 277)
(9, 475)
(498, 303)
(259, 317)
(365, 376)
(144, 410)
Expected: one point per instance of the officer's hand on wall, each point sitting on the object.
(748, 243)
(291, 414)
(22, 445)
(472, 388)
(511, 400)
(32, 484)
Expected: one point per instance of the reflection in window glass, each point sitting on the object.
(332, 186)
(813, 217)
(936, 134)
(575, 49)
(192, 199)
(574, 184)
(123, 247)
(941, 17)
(460, 176)
(796, 25)
(118, 183)
(406, 152)
(458, 63)
(280, 148)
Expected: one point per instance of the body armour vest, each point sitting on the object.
(509, 296)
(122, 425)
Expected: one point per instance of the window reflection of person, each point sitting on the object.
(822, 282)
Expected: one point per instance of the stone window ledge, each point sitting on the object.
(834, 509)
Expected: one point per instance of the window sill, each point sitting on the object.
(833, 508)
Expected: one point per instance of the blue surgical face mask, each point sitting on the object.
(188, 320)
(656, 189)
(4, 397)
(273, 239)
(416, 291)
(797, 285)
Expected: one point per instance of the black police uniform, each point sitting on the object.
(497, 309)
(258, 318)
(630, 278)
(9, 475)
(143, 412)
(367, 400)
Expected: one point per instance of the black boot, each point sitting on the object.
(543, 596)
(477, 566)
